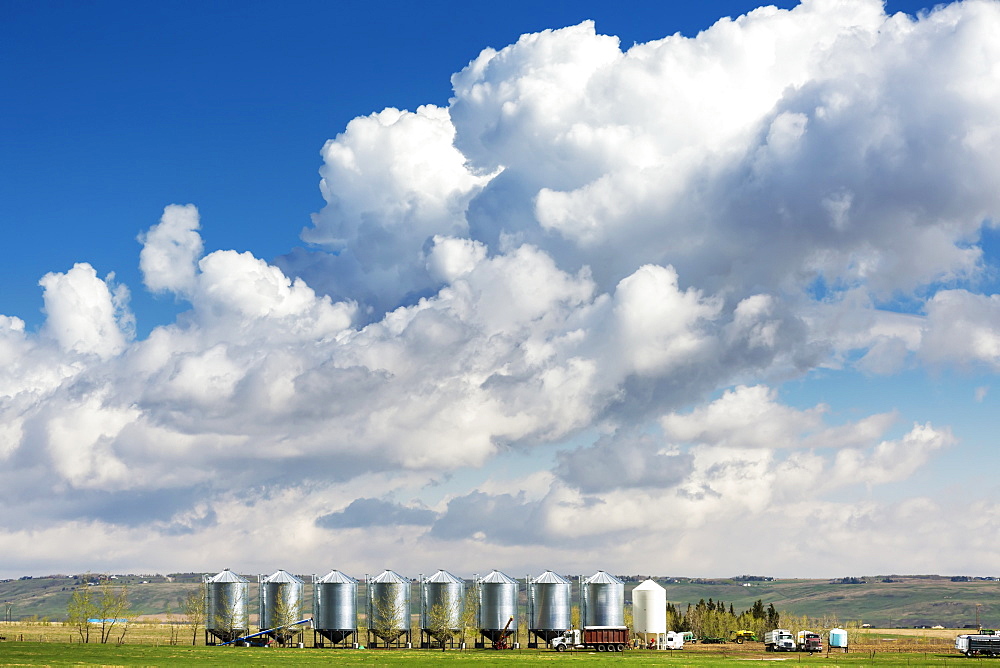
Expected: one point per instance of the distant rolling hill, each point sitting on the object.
(894, 601)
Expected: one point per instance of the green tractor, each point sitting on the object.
(743, 636)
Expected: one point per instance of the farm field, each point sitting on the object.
(64, 654)
(148, 644)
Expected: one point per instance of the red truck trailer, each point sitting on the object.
(601, 638)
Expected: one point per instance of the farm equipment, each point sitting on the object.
(711, 640)
(501, 642)
(743, 636)
(601, 638)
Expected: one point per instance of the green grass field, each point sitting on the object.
(64, 654)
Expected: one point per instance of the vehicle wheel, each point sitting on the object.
(560, 648)
(739, 641)
(600, 648)
(621, 647)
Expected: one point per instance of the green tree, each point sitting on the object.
(286, 613)
(81, 609)
(469, 618)
(388, 617)
(441, 624)
(113, 609)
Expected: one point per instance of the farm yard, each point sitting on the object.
(158, 632)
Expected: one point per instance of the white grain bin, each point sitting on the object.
(649, 611)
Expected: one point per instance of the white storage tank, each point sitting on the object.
(838, 638)
(649, 608)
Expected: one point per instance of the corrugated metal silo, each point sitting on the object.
(227, 600)
(442, 602)
(335, 606)
(602, 600)
(498, 606)
(280, 602)
(389, 607)
(549, 606)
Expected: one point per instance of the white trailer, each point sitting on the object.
(978, 645)
(779, 640)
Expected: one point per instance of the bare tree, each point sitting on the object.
(172, 625)
(194, 609)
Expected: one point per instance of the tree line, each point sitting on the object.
(713, 619)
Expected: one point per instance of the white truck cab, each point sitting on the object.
(779, 640)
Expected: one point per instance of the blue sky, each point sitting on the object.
(534, 246)
(117, 110)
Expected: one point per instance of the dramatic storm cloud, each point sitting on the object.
(560, 322)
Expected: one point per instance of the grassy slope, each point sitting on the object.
(908, 602)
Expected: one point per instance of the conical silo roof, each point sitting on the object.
(390, 576)
(282, 576)
(496, 577)
(600, 577)
(548, 577)
(227, 576)
(648, 585)
(445, 577)
(336, 577)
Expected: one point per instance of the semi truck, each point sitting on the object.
(978, 645)
(807, 641)
(779, 640)
(601, 638)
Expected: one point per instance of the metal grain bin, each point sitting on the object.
(280, 600)
(335, 606)
(227, 599)
(549, 605)
(445, 593)
(497, 605)
(497, 601)
(389, 606)
(602, 600)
